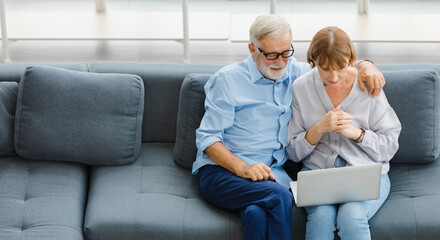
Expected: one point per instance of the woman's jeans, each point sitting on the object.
(350, 219)
(265, 207)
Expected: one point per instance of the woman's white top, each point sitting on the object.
(311, 102)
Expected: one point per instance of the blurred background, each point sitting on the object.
(217, 35)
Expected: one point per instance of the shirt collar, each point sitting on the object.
(257, 77)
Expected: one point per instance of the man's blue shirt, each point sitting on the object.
(249, 114)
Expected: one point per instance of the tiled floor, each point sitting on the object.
(215, 52)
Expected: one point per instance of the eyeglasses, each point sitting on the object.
(275, 55)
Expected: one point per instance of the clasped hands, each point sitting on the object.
(338, 121)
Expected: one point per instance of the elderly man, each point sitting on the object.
(243, 134)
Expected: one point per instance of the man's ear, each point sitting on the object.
(251, 48)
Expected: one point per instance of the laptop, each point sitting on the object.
(337, 185)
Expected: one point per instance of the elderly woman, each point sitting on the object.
(335, 124)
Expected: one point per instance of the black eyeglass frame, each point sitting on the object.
(278, 54)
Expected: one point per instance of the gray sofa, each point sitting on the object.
(105, 153)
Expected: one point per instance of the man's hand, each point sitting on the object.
(369, 74)
(220, 154)
(257, 172)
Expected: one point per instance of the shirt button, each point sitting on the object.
(335, 141)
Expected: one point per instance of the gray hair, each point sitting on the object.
(268, 26)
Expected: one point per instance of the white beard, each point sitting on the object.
(268, 72)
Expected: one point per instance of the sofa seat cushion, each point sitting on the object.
(80, 117)
(153, 198)
(410, 211)
(41, 199)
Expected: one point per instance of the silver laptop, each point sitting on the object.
(337, 185)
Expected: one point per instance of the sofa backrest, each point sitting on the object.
(13, 72)
(8, 103)
(400, 67)
(162, 89)
(163, 84)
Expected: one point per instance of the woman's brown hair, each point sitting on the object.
(330, 47)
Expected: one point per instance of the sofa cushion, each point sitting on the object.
(162, 87)
(189, 115)
(42, 199)
(8, 102)
(153, 199)
(410, 211)
(414, 95)
(81, 117)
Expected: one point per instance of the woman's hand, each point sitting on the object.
(352, 132)
(333, 121)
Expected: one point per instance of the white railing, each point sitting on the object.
(100, 6)
(6, 58)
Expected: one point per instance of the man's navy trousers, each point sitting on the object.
(265, 206)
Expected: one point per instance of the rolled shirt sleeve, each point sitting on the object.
(219, 113)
